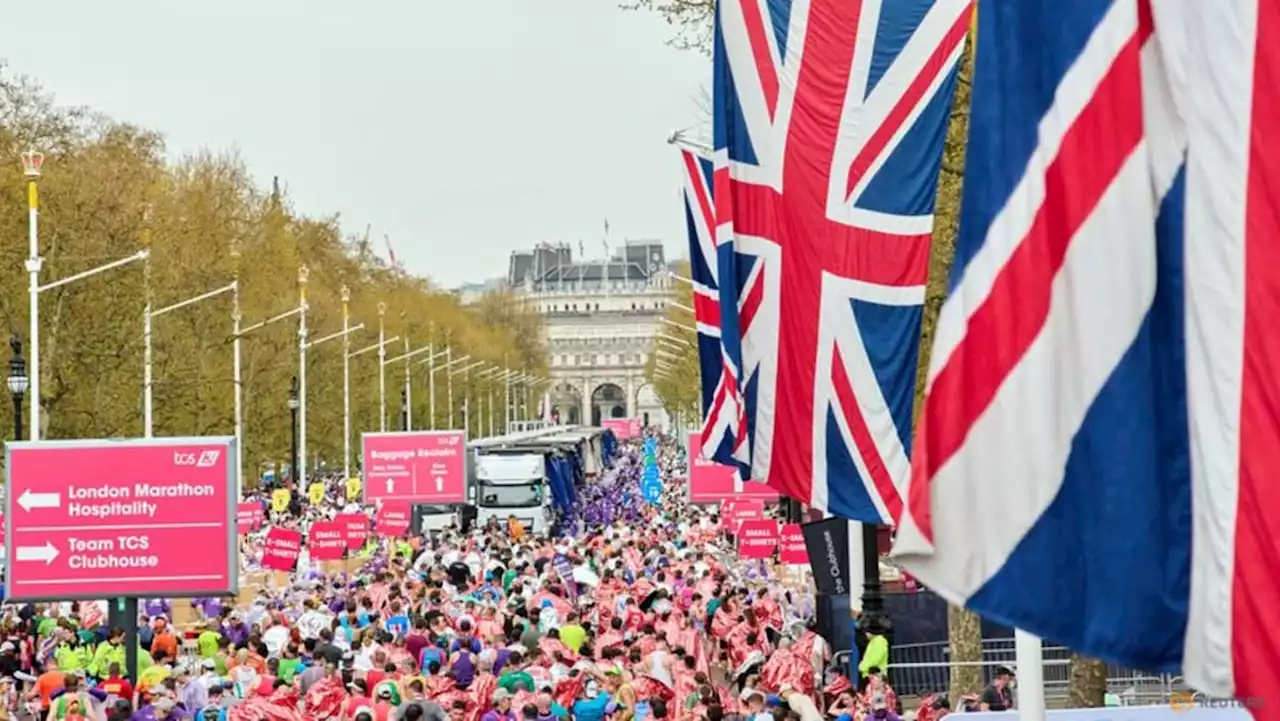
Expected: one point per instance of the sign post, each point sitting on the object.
(118, 518)
(415, 467)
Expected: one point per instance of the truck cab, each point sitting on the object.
(533, 475)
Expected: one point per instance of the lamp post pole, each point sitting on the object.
(407, 399)
(18, 383)
(448, 379)
(346, 382)
(382, 367)
(236, 372)
(32, 162)
(294, 403)
(302, 377)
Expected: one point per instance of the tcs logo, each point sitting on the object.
(205, 459)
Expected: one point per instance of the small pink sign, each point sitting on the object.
(791, 548)
(107, 518)
(356, 528)
(415, 466)
(394, 518)
(623, 428)
(735, 512)
(249, 517)
(757, 538)
(281, 548)
(711, 482)
(327, 540)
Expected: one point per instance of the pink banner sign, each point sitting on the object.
(757, 538)
(623, 428)
(791, 548)
(281, 549)
(736, 511)
(249, 517)
(327, 541)
(111, 518)
(711, 482)
(394, 518)
(415, 466)
(356, 528)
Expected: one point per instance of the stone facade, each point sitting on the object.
(601, 319)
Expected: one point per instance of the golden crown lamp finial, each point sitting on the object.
(346, 293)
(303, 273)
(32, 162)
(382, 308)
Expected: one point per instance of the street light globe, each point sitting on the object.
(19, 382)
(293, 403)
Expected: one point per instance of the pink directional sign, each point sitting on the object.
(415, 466)
(711, 482)
(623, 428)
(99, 518)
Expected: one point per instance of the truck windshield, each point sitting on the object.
(516, 495)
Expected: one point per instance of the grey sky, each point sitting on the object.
(463, 130)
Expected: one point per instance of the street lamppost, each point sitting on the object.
(303, 273)
(431, 383)
(32, 162)
(294, 403)
(18, 383)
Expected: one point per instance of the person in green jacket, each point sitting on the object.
(877, 654)
(513, 674)
(108, 652)
(71, 655)
(207, 641)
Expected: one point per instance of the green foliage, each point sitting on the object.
(98, 177)
(677, 382)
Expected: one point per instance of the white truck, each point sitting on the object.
(512, 485)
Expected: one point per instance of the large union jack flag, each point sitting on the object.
(830, 116)
(719, 411)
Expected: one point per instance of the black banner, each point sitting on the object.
(827, 542)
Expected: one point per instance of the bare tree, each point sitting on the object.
(693, 20)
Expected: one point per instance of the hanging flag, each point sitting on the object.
(830, 118)
(1102, 393)
(719, 393)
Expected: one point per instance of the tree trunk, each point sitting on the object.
(1087, 687)
(964, 636)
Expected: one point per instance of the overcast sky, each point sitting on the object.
(462, 130)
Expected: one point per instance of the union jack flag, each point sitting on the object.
(719, 412)
(1103, 389)
(830, 117)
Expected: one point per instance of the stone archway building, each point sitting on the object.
(601, 319)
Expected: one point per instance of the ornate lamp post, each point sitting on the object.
(18, 383)
(294, 404)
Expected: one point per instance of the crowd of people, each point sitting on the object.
(637, 611)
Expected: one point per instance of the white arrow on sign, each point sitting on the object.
(391, 486)
(44, 553)
(29, 500)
